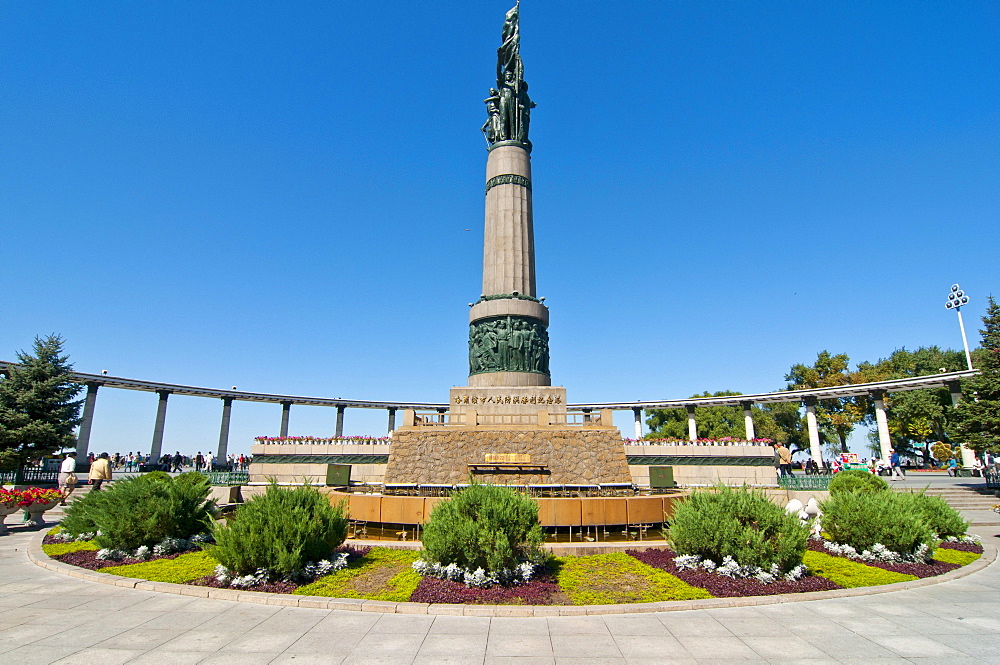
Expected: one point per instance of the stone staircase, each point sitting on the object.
(975, 503)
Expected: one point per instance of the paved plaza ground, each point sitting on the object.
(47, 617)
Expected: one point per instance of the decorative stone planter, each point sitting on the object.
(4, 512)
(33, 513)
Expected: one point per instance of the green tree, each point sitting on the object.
(977, 418)
(836, 416)
(37, 407)
(916, 417)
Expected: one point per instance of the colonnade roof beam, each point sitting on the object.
(851, 390)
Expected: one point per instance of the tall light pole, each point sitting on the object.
(956, 299)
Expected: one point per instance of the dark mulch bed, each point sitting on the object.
(963, 547)
(721, 586)
(539, 591)
(915, 569)
(88, 559)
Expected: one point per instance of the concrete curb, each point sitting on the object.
(39, 558)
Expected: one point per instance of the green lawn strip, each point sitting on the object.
(614, 578)
(382, 574)
(850, 574)
(58, 549)
(185, 568)
(948, 555)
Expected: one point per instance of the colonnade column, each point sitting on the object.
(83, 438)
(815, 450)
(340, 421)
(227, 408)
(968, 457)
(156, 449)
(692, 424)
(748, 420)
(882, 423)
(286, 408)
(638, 422)
(392, 419)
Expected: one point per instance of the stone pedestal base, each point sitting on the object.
(570, 455)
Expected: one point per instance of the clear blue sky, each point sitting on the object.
(288, 197)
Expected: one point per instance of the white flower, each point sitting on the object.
(108, 554)
(143, 552)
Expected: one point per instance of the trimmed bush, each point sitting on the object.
(863, 519)
(856, 480)
(944, 520)
(741, 523)
(281, 530)
(142, 510)
(484, 526)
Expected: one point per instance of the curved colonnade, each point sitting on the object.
(809, 398)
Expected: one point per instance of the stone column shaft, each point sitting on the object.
(286, 408)
(882, 425)
(83, 438)
(392, 419)
(227, 408)
(156, 449)
(340, 421)
(692, 424)
(509, 241)
(815, 450)
(638, 423)
(748, 420)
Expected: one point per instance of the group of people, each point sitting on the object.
(100, 473)
(103, 466)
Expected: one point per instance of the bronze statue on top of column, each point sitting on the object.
(508, 107)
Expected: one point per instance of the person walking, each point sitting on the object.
(199, 461)
(100, 471)
(782, 459)
(895, 466)
(178, 460)
(67, 476)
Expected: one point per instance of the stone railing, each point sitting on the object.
(541, 418)
(315, 440)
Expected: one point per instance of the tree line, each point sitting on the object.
(917, 418)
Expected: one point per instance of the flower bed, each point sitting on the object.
(631, 577)
(29, 497)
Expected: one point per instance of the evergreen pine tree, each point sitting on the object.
(37, 409)
(977, 418)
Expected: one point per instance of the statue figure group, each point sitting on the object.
(508, 107)
(508, 344)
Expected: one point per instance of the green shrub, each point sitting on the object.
(281, 530)
(850, 574)
(483, 526)
(862, 519)
(856, 480)
(614, 578)
(382, 574)
(741, 523)
(943, 519)
(185, 568)
(142, 510)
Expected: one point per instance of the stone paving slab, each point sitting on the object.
(49, 617)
